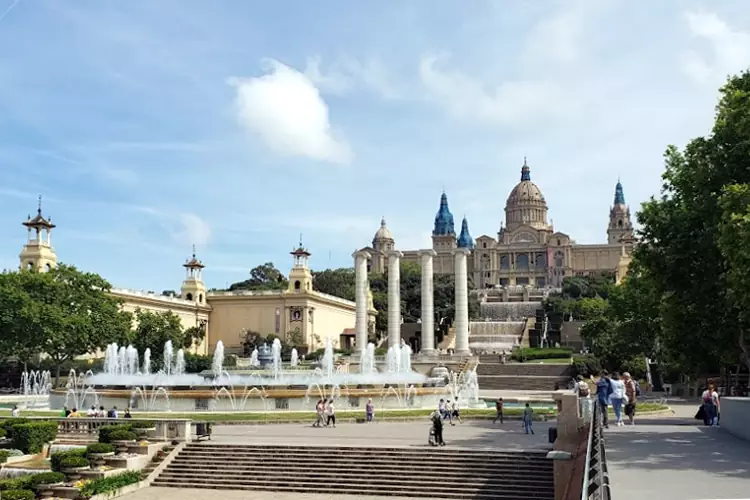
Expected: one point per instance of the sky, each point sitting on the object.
(149, 127)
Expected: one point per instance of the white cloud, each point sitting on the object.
(730, 48)
(195, 231)
(467, 97)
(557, 39)
(286, 110)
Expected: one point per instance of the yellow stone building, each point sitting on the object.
(527, 251)
(298, 314)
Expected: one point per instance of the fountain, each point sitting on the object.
(270, 384)
(35, 387)
(294, 361)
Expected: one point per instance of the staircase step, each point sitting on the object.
(421, 491)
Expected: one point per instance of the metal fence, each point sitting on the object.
(596, 477)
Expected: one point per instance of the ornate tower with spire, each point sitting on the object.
(620, 227)
(193, 288)
(464, 239)
(300, 277)
(38, 254)
(444, 233)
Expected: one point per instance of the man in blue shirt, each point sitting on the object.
(603, 390)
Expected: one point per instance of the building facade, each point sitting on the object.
(299, 314)
(527, 250)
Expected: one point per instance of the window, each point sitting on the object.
(189, 296)
(558, 242)
(504, 262)
(559, 259)
(540, 261)
(200, 299)
(297, 285)
(522, 281)
(522, 261)
(619, 223)
(484, 244)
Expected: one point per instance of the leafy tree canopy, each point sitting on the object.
(262, 278)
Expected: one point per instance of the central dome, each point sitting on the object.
(526, 204)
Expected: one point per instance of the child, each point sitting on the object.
(528, 417)
(369, 410)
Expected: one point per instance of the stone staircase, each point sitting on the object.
(521, 376)
(446, 473)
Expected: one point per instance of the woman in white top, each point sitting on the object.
(710, 405)
(618, 394)
(331, 413)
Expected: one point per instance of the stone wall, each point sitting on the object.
(735, 414)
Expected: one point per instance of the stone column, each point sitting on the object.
(461, 323)
(428, 305)
(360, 297)
(394, 298)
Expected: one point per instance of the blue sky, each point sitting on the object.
(236, 126)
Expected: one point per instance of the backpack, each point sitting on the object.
(111, 414)
(637, 388)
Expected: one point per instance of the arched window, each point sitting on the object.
(200, 298)
(297, 285)
(559, 259)
(522, 261)
(189, 296)
(619, 223)
(504, 262)
(48, 267)
(540, 261)
(30, 266)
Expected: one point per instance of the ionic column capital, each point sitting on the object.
(360, 254)
(427, 252)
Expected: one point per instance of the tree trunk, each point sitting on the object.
(58, 365)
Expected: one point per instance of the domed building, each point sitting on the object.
(527, 250)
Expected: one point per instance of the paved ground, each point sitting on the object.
(196, 494)
(470, 434)
(673, 458)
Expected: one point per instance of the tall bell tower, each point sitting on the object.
(620, 225)
(193, 288)
(300, 277)
(38, 254)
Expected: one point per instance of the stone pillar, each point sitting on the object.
(394, 298)
(360, 297)
(461, 323)
(428, 304)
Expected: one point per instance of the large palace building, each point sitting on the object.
(527, 249)
(299, 314)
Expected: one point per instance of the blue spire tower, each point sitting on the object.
(619, 195)
(620, 227)
(464, 239)
(444, 232)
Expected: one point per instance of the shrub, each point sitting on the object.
(531, 353)
(8, 423)
(31, 437)
(99, 448)
(16, 483)
(122, 435)
(3, 432)
(73, 462)
(46, 478)
(142, 424)
(18, 495)
(110, 484)
(57, 458)
(106, 430)
(4, 454)
(586, 365)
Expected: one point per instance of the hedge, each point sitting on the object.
(55, 461)
(4, 454)
(141, 424)
(46, 478)
(31, 437)
(99, 448)
(74, 462)
(8, 423)
(122, 435)
(106, 430)
(3, 432)
(16, 483)
(530, 353)
(19, 495)
(586, 365)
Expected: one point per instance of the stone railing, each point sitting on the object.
(167, 299)
(271, 293)
(595, 484)
(166, 429)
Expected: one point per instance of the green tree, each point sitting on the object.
(681, 231)
(21, 329)
(734, 243)
(193, 336)
(590, 308)
(262, 278)
(336, 282)
(153, 330)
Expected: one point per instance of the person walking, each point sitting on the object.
(437, 427)
(710, 406)
(14, 412)
(631, 397)
(455, 413)
(603, 391)
(331, 412)
(617, 396)
(528, 419)
(319, 407)
(499, 410)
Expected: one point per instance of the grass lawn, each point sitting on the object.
(294, 416)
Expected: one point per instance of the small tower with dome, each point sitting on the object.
(38, 254)
(464, 239)
(193, 288)
(300, 277)
(444, 232)
(526, 205)
(620, 228)
(382, 243)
